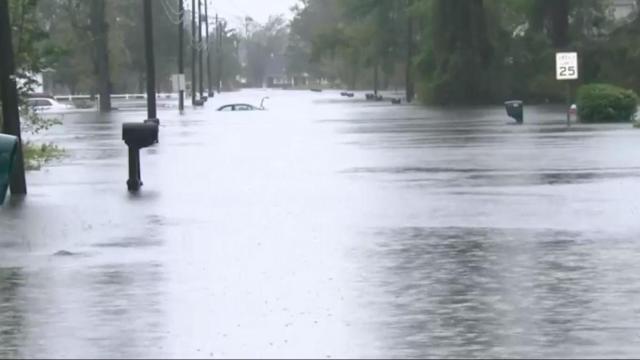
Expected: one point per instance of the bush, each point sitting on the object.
(606, 103)
(38, 155)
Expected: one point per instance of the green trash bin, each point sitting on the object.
(515, 110)
(8, 147)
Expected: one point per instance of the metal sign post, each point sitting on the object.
(567, 70)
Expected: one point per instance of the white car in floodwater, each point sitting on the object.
(47, 105)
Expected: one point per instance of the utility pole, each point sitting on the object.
(181, 55)
(410, 91)
(151, 66)
(375, 78)
(206, 19)
(200, 77)
(100, 32)
(219, 36)
(9, 93)
(193, 52)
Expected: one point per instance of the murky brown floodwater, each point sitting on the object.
(328, 227)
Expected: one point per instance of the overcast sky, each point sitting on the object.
(259, 10)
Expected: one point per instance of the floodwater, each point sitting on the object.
(328, 227)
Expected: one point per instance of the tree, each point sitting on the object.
(226, 61)
(33, 53)
(90, 17)
(552, 16)
(268, 41)
(459, 59)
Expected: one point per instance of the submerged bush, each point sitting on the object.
(38, 155)
(606, 103)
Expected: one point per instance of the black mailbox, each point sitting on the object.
(515, 110)
(138, 136)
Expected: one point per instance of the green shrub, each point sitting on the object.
(606, 103)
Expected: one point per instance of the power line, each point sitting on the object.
(170, 16)
(197, 45)
(171, 8)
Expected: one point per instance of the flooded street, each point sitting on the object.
(328, 227)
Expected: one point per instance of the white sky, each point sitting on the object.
(259, 10)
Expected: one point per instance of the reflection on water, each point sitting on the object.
(328, 227)
(127, 295)
(482, 292)
(102, 311)
(11, 313)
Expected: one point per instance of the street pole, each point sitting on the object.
(200, 77)
(180, 55)
(375, 79)
(193, 52)
(409, 91)
(206, 19)
(568, 103)
(151, 66)
(9, 97)
(219, 54)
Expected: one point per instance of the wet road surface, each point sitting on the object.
(328, 227)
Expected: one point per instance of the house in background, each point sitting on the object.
(623, 9)
(275, 75)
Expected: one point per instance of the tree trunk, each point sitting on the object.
(559, 16)
(99, 30)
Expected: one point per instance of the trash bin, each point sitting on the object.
(515, 110)
(8, 147)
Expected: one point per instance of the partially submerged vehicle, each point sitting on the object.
(238, 107)
(45, 105)
(243, 106)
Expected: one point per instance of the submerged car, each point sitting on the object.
(238, 107)
(47, 105)
(243, 106)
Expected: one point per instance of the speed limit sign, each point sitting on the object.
(567, 66)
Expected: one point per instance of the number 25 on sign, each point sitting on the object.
(567, 66)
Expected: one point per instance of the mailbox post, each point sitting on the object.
(145, 134)
(137, 136)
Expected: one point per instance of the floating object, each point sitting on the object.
(515, 110)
